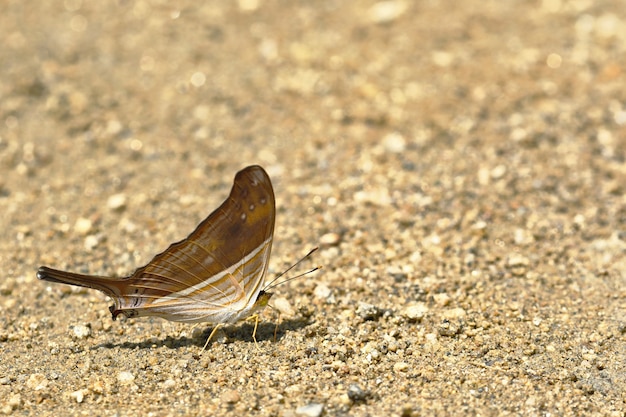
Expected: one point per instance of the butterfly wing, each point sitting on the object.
(213, 275)
(220, 268)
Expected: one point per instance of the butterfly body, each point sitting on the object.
(215, 275)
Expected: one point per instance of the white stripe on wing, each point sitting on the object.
(214, 278)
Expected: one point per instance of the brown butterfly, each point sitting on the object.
(215, 275)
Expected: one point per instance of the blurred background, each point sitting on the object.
(462, 166)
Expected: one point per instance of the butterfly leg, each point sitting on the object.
(277, 320)
(217, 326)
(256, 324)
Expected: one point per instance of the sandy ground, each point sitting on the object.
(461, 164)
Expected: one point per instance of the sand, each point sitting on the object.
(460, 164)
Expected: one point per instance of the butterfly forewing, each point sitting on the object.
(213, 275)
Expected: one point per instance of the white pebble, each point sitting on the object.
(82, 226)
(386, 11)
(414, 311)
(91, 242)
(321, 292)
(394, 143)
(125, 377)
(283, 306)
(79, 395)
(81, 331)
(310, 410)
(330, 239)
(400, 366)
(116, 201)
(454, 313)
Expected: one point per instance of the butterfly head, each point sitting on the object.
(262, 299)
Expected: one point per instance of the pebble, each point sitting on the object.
(394, 143)
(414, 311)
(91, 242)
(517, 260)
(116, 202)
(448, 328)
(454, 313)
(368, 311)
(248, 5)
(231, 396)
(376, 196)
(523, 237)
(14, 402)
(398, 274)
(83, 226)
(442, 299)
(386, 11)
(321, 292)
(81, 331)
(310, 410)
(37, 382)
(169, 384)
(79, 395)
(400, 367)
(517, 264)
(125, 377)
(356, 393)
(283, 306)
(330, 239)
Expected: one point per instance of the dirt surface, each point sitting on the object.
(461, 164)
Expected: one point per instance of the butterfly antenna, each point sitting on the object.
(274, 284)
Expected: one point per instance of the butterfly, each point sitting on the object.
(215, 275)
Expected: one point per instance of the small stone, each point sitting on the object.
(442, 299)
(310, 410)
(37, 382)
(117, 202)
(377, 197)
(283, 306)
(248, 5)
(82, 226)
(523, 237)
(517, 260)
(81, 331)
(368, 312)
(14, 401)
(79, 395)
(321, 292)
(398, 274)
(386, 11)
(231, 396)
(400, 367)
(498, 172)
(128, 226)
(91, 242)
(517, 264)
(356, 393)
(448, 328)
(330, 239)
(125, 377)
(454, 313)
(414, 311)
(169, 384)
(394, 143)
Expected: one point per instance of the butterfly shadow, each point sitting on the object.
(265, 332)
